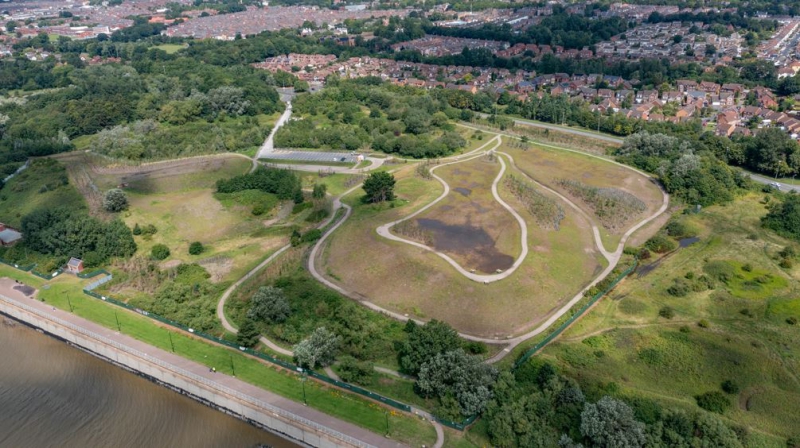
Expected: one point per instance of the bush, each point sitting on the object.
(660, 244)
(713, 401)
(301, 207)
(317, 215)
(115, 200)
(729, 387)
(159, 252)
(703, 323)
(786, 263)
(791, 320)
(196, 248)
(679, 229)
(747, 267)
(680, 288)
(666, 312)
(258, 210)
(136, 229)
(354, 371)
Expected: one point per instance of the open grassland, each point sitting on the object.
(550, 166)
(65, 292)
(43, 185)
(417, 282)
(170, 48)
(177, 198)
(469, 225)
(655, 340)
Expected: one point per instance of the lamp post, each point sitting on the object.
(119, 327)
(69, 302)
(386, 413)
(171, 344)
(303, 379)
(233, 369)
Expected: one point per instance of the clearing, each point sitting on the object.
(417, 282)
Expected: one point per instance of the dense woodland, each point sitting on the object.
(364, 113)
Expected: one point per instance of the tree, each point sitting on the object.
(196, 248)
(714, 401)
(115, 200)
(159, 252)
(610, 423)
(248, 334)
(379, 187)
(269, 304)
(784, 218)
(424, 342)
(11, 26)
(318, 349)
(462, 376)
(319, 191)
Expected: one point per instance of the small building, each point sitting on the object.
(8, 236)
(75, 266)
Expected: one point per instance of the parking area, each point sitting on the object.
(313, 156)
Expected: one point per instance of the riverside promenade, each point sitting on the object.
(247, 401)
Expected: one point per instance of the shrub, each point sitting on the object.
(685, 329)
(301, 207)
(791, 320)
(680, 229)
(703, 323)
(786, 263)
(196, 248)
(644, 254)
(666, 312)
(679, 288)
(115, 200)
(746, 312)
(136, 229)
(159, 252)
(317, 215)
(729, 387)
(353, 371)
(713, 401)
(660, 244)
(689, 275)
(747, 267)
(258, 210)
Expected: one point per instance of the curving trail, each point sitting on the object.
(612, 257)
(221, 304)
(484, 278)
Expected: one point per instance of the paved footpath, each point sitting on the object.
(221, 379)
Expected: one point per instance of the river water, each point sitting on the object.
(54, 395)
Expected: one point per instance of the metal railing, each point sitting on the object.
(192, 376)
(560, 329)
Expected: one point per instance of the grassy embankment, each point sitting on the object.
(738, 331)
(66, 290)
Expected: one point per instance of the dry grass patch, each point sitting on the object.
(550, 166)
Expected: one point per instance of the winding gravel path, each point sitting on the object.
(612, 257)
(483, 278)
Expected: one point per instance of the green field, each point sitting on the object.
(736, 331)
(170, 48)
(65, 291)
(43, 185)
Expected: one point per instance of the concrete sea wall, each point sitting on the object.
(215, 395)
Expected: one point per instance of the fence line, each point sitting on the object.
(532, 351)
(194, 377)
